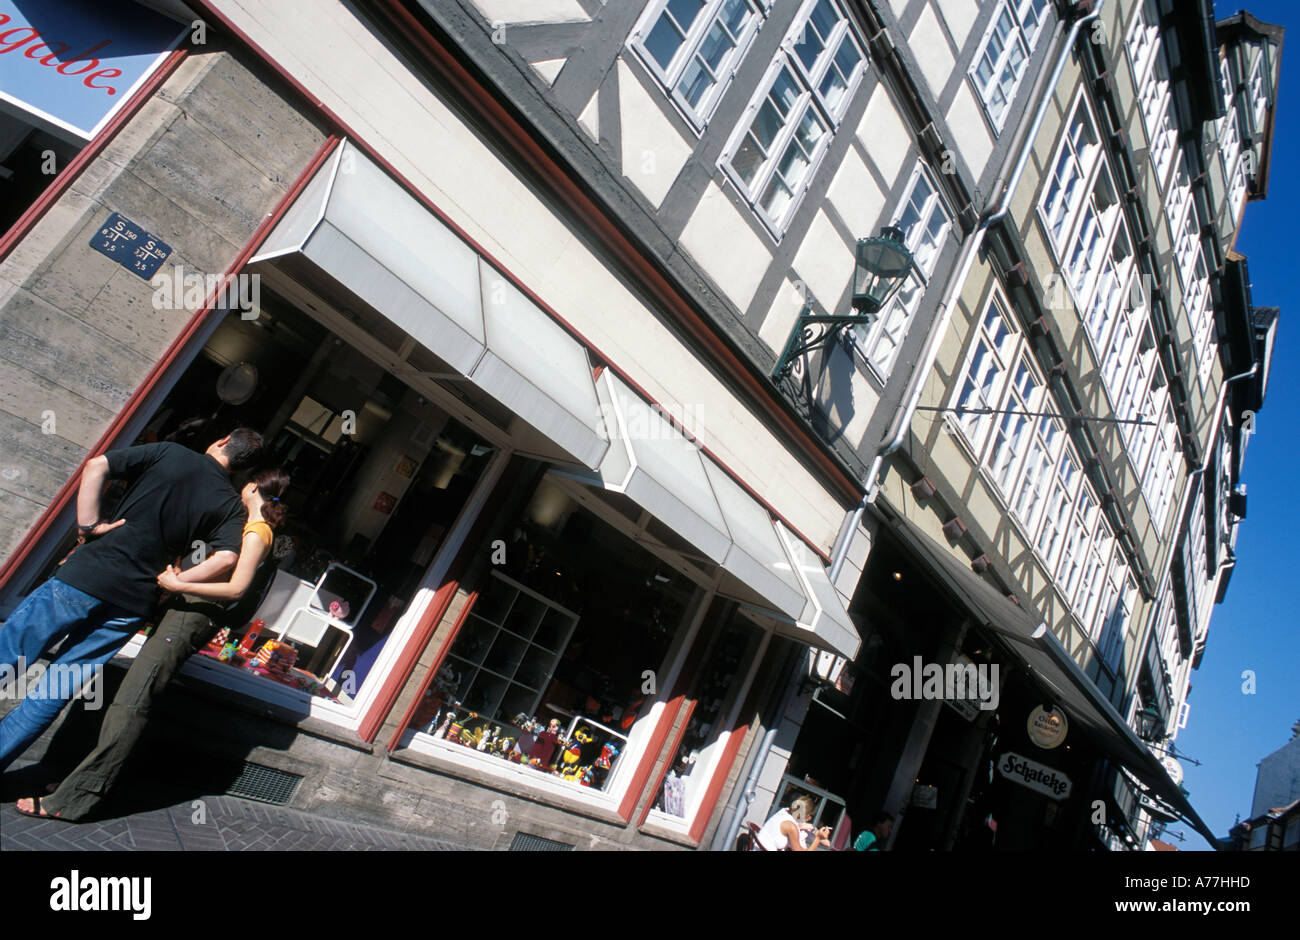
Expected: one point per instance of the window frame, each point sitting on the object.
(668, 77)
(1063, 523)
(1017, 38)
(808, 100)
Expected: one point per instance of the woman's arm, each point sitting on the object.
(251, 554)
(791, 832)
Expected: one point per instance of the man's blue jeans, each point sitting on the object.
(94, 629)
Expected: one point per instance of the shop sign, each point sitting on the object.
(72, 64)
(1038, 777)
(1174, 769)
(1047, 727)
(925, 797)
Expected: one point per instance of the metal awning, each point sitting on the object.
(356, 237)
(699, 511)
(1026, 637)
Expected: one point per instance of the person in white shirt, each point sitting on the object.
(788, 829)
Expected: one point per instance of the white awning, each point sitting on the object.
(355, 233)
(707, 515)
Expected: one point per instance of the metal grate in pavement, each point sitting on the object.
(265, 784)
(523, 842)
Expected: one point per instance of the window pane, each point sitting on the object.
(776, 198)
(664, 41)
(785, 92)
(685, 11)
(749, 157)
(715, 47)
(696, 81)
(734, 14)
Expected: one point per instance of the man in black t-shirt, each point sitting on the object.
(180, 503)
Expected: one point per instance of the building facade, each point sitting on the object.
(505, 285)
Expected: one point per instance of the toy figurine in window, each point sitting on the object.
(607, 755)
(542, 752)
(453, 727)
(339, 609)
(573, 753)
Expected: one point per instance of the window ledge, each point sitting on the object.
(508, 778)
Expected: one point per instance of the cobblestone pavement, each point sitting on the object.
(225, 824)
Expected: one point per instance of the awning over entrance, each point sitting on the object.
(701, 512)
(1024, 635)
(356, 237)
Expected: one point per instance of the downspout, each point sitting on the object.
(736, 813)
(916, 384)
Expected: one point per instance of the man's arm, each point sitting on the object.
(212, 568)
(92, 486)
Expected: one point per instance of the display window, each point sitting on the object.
(555, 670)
(380, 476)
(726, 656)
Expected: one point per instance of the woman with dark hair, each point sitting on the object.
(261, 497)
(188, 623)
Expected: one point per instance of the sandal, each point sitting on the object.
(37, 811)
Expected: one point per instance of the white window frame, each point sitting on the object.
(1070, 176)
(1040, 478)
(1258, 93)
(809, 100)
(1018, 39)
(671, 75)
(880, 343)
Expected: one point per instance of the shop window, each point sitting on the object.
(30, 159)
(378, 476)
(559, 655)
(727, 647)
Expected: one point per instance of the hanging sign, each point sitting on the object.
(1047, 727)
(1174, 769)
(1038, 777)
(70, 65)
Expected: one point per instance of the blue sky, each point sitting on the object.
(1255, 628)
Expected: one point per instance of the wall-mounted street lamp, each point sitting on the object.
(1149, 721)
(881, 264)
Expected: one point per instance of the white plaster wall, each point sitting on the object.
(824, 261)
(855, 196)
(780, 318)
(884, 135)
(720, 239)
(930, 46)
(970, 132)
(960, 16)
(351, 72)
(653, 152)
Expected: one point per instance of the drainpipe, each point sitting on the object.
(969, 251)
(736, 813)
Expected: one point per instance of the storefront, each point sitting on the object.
(965, 719)
(501, 564)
